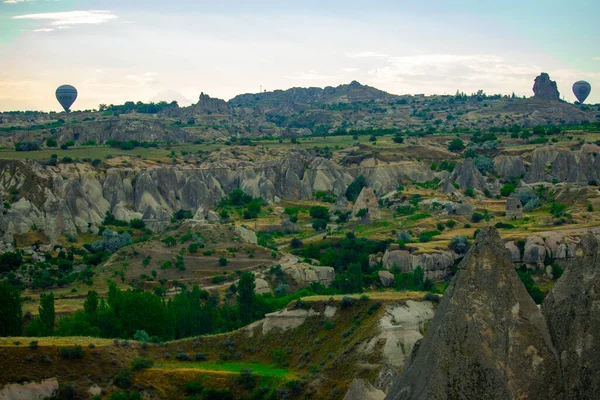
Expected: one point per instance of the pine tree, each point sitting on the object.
(11, 312)
(245, 297)
(47, 314)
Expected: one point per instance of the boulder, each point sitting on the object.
(385, 378)
(535, 252)
(46, 389)
(488, 339)
(571, 309)
(544, 88)
(386, 278)
(362, 390)
(514, 252)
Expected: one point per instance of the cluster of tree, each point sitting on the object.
(27, 146)
(125, 313)
(250, 206)
(129, 144)
(139, 107)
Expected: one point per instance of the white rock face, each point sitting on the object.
(400, 328)
(367, 199)
(286, 319)
(304, 273)
(362, 390)
(30, 391)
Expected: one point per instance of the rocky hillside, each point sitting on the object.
(489, 340)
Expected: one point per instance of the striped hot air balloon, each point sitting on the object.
(66, 96)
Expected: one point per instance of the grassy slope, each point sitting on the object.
(316, 353)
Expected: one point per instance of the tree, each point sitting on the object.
(456, 145)
(507, 189)
(361, 213)
(476, 217)
(319, 212)
(223, 261)
(319, 224)
(90, 306)
(47, 315)
(355, 187)
(419, 276)
(51, 143)
(11, 313)
(10, 261)
(170, 241)
(245, 297)
(137, 223)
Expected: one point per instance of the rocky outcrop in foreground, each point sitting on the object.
(488, 340)
(573, 314)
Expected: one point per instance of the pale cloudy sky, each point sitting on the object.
(117, 50)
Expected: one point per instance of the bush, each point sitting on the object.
(247, 379)
(223, 261)
(71, 353)
(27, 146)
(200, 357)
(217, 394)
(296, 243)
(319, 224)
(476, 217)
(459, 244)
(141, 363)
(434, 298)
(347, 302)
(181, 356)
(123, 379)
(557, 271)
(137, 223)
(456, 145)
(33, 345)
(507, 189)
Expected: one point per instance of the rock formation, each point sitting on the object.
(436, 265)
(488, 340)
(544, 88)
(207, 105)
(362, 390)
(367, 200)
(571, 309)
(514, 208)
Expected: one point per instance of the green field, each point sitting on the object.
(233, 367)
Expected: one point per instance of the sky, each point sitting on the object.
(113, 51)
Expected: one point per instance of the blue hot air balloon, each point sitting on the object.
(66, 96)
(581, 89)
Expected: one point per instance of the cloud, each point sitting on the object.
(149, 78)
(43, 30)
(311, 74)
(69, 18)
(15, 1)
(349, 69)
(367, 54)
(596, 58)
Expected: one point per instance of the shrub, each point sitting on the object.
(434, 298)
(218, 394)
(296, 243)
(347, 302)
(141, 363)
(71, 353)
(456, 145)
(557, 271)
(507, 189)
(348, 332)
(247, 379)
(503, 225)
(476, 217)
(200, 357)
(123, 379)
(33, 345)
(223, 261)
(181, 356)
(459, 244)
(141, 336)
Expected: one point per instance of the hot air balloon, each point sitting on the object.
(582, 89)
(66, 95)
